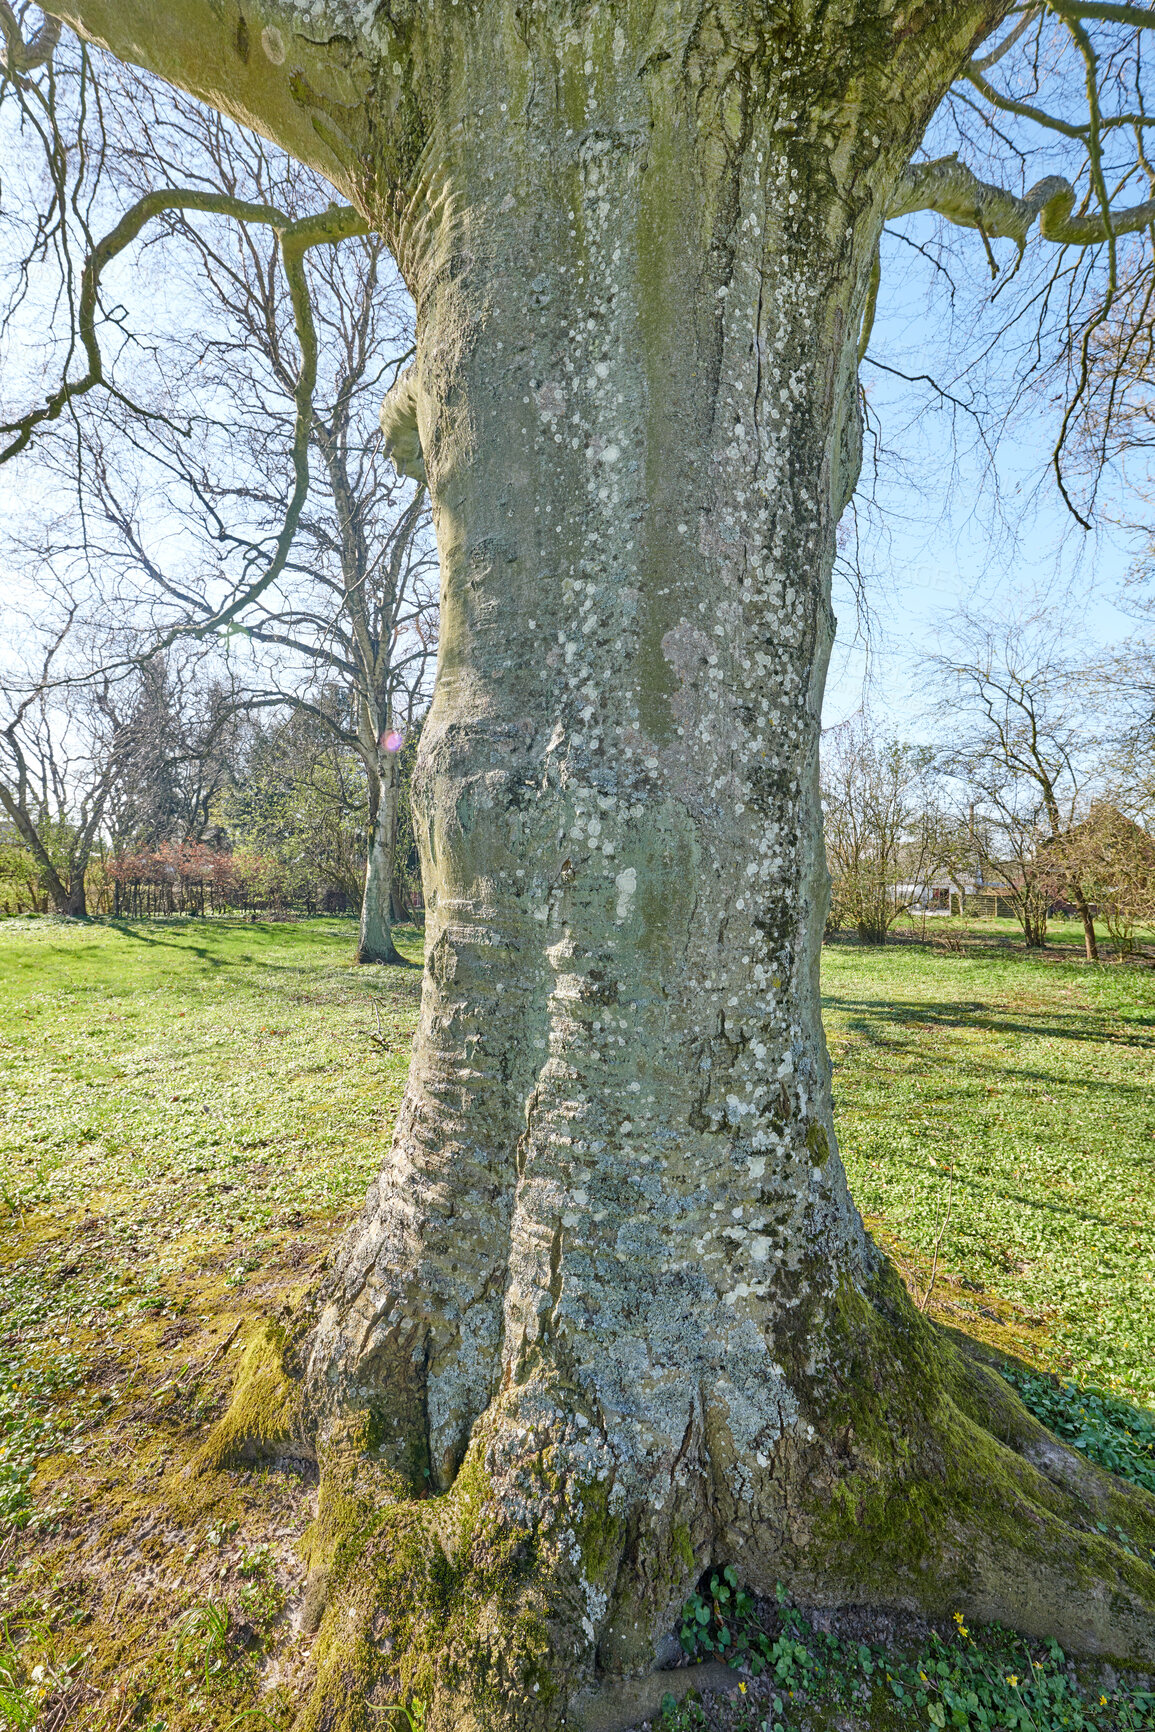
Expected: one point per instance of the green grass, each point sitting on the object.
(191, 1111)
(1031, 1081)
(201, 1077)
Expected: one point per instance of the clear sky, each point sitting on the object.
(942, 523)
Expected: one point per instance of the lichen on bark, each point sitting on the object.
(609, 1315)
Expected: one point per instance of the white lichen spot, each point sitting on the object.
(626, 884)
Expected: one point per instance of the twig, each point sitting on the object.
(938, 1243)
(225, 1344)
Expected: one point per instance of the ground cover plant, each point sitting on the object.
(826, 1672)
(191, 1110)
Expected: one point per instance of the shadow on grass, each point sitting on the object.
(865, 1015)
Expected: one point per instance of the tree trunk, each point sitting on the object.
(60, 893)
(610, 1297)
(609, 1300)
(77, 904)
(375, 938)
(1089, 940)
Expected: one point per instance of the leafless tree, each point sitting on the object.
(887, 834)
(1025, 752)
(186, 731)
(215, 427)
(88, 757)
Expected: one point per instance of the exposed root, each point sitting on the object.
(261, 1418)
(520, 1599)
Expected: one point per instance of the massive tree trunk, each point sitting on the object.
(610, 1301)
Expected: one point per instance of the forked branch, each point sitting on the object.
(337, 223)
(950, 188)
(21, 56)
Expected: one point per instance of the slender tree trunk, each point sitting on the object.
(1090, 942)
(375, 938)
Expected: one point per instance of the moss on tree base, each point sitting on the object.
(520, 1598)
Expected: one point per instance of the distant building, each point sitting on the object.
(958, 896)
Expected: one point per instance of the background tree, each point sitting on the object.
(65, 745)
(224, 440)
(186, 726)
(302, 802)
(887, 836)
(1112, 861)
(1025, 754)
(609, 1298)
(357, 601)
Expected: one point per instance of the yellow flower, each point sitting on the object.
(742, 1687)
(1012, 1681)
(924, 1677)
(1102, 1701)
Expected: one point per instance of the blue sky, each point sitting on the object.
(943, 523)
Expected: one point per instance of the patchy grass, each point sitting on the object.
(189, 1114)
(191, 1111)
(1018, 1091)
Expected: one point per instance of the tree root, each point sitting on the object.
(523, 1596)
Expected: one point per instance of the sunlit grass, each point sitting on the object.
(1032, 1082)
(190, 1112)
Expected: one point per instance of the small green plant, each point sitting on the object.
(414, 1713)
(994, 1684)
(686, 1716)
(1112, 1432)
(724, 1621)
(19, 1703)
(202, 1636)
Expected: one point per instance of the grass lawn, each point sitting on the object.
(1032, 1082)
(190, 1113)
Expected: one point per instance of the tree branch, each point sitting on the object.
(948, 187)
(1137, 16)
(21, 56)
(335, 224)
(264, 67)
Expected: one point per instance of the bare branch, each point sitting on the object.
(21, 56)
(949, 187)
(335, 224)
(1008, 42)
(1137, 16)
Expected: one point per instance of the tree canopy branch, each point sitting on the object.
(950, 188)
(21, 56)
(1140, 17)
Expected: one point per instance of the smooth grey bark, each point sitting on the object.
(611, 1264)
(375, 936)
